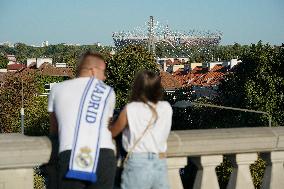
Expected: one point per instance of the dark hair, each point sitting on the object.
(147, 87)
(83, 58)
(91, 53)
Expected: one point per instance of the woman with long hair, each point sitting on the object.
(146, 124)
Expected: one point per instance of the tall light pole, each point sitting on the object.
(151, 36)
(186, 103)
(22, 109)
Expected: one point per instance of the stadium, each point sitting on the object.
(161, 34)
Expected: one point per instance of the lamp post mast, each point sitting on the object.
(184, 103)
(22, 109)
(151, 36)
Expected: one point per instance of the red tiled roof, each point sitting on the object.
(199, 70)
(201, 76)
(48, 69)
(211, 78)
(15, 66)
(217, 67)
(180, 76)
(179, 72)
(44, 66)
(168, 81)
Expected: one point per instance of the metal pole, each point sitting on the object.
(151, 36)
(22, 109)
(186, 103)
(22, 120)
(236, 109)
(229, 108)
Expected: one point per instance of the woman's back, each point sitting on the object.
(139, 115)
(145, 138)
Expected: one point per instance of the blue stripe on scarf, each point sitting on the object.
(87, 88)
(82, 175)
(98, 151)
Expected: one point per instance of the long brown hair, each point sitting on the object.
(147, 88)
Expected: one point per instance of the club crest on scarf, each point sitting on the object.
(84, 159)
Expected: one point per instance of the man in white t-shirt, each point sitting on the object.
(63, 105)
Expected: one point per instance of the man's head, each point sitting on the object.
(92, 64)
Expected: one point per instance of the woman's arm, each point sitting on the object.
(119, 124)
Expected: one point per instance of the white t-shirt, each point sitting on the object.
(155, 139)
(64, 100)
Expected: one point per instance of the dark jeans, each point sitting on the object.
(49, 170)
(105, 172)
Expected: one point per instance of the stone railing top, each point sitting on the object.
(225, 141)
(18, 151)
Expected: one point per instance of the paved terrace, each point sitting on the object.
(19, 154)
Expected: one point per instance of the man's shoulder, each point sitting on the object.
(72, 82)
(61, 86)
(78, 84)
(62, 83)
(104, 84)
(111, 90)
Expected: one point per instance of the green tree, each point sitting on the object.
(11, 98)
(3, 62)
(122, 68)
(36, 115)
(265, 89)
(42, 80)
(59, 53)
(22, 52)
(257, 83)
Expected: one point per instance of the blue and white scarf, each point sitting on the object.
(86, 145)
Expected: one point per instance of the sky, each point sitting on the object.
(91, 21)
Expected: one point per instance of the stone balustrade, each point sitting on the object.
(19, 154)
(206, 148)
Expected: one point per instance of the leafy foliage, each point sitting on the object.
(59, 53)
(122, 68)
(265, 89)
(38, 181)
(257, 83)
(11, 98)
(36, 115)
(3, 62)
(41, 80)
(202, 53)
(257, 171)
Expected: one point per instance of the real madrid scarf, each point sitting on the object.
(86, 145)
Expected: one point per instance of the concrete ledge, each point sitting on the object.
(225, 141)
(21, 178)
(19, 151)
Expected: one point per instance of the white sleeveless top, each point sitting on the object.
(155, 140)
